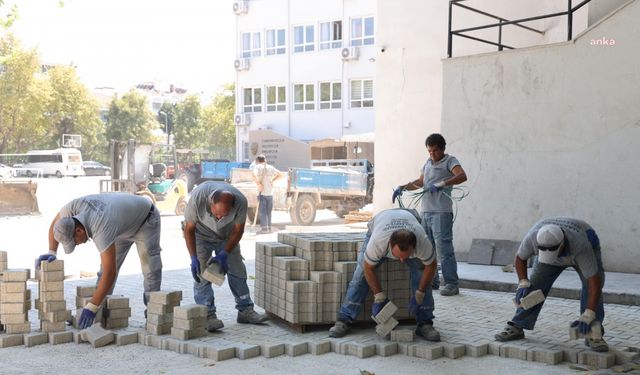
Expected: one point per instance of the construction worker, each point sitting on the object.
(114, 221)
(440, 172)
(214, 225)
(395, 234)
(264, 175)
(560, 242)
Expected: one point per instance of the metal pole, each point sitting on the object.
(450, 36)
(500, 36)
(569, 20)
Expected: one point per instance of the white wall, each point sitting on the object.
(551, 130)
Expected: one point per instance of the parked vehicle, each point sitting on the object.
(59, 162)
(94, 168)
(6, 172)
(339, 185)
(212, 170)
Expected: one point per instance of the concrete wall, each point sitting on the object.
(551, 130)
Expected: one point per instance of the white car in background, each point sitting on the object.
(6, 172)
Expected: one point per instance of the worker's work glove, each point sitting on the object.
(195, 268)
(379, 300)
(416, 302)
(434, 188)
(221, 259)
(524, 287)
(87, 316)
(584, 322)
(49, 257)
(397, 193)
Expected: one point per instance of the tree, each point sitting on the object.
(130, 118)
(7, 19)
(218, 122)
(189, 131)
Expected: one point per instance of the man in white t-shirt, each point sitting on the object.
(395, 234)
(114, 221)
(264, 175)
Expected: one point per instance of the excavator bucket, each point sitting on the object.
(18, 198)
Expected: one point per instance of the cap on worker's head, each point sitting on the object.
(63, 231)
(549, 235)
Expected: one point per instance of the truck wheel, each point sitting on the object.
(304, 211)
(58, 174)
(180, 207)
(251, 214)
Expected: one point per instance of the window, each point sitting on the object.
(362, 93)
(253, 99)
(331, 35)
(250, 44)
(276, 99)
(275, 42)
(330, 95)
(245, 151)
(303, 97)
(362, 31)
(303, 38)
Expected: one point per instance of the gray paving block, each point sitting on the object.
(320, 347)
(13, 287)
(159, 329)
(189, 311)
(17, 328)
(171, 344)
(166, 297)
(117, 302)
(296, 349)
(98, 336)
(53, 326)
(494, 347)
(270, 349)
(570, 354)
(217, 351)
(37, 338)
(385, 349)
(384, 329)
(153, 341)
(453, 351)
(85, 291)
(116, 323)
(158, 319)
(14, 318)
(56, 265)
(476, 350)
(427, 351)
(513, 351)
(599, 360)
(548, 356)
(117, 313)
(126, 337)
(625, 355)
(246, 351)
(338, 346)
(187, 334)
(361, 350)
(46, 277)
(481, 251)
(15, 275)
(78, 337)
(403, 335)
(7, 341)
(192, 347)
(159, 309)
(56, 338)
(386, 313)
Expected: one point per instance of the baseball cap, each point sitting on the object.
(63, 231)
(549, 236)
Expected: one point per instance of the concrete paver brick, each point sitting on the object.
(385, 349)
(548, 356)
(13, 318)
(15, 275)
(17, 328)
(159, 309)
(246, 351)
(361, 350)
(13, 287)
(217, 351)
(7, 341)
(85, 291)
(187, 334)
(47, 326)
(14, 297)
(98, 336)
(513, 351)
(153, 341)
(188, 324)
(189, 311)
(428, 351)
(476, 349)
(270, 350)
(51, 276)
(52, 286)
(624, 356)
(386, 313)
(385, 328)
(126, 337)
(598, 360)
(166, 297)
(117, 302)
(493, 348)
(319, 347)
(532, 299)
(56, 265)
(33, 339)
(403, 335)
(454, 351)
(296, 349)
(56, 338)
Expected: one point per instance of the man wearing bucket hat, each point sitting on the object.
(214, 224)
(560, 242)
(114, 221)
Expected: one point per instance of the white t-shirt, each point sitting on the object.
(265, 174)
(384, 224)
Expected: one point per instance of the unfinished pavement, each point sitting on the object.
(466, 322)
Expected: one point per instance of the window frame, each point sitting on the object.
(252, 51)
(332, 103)
(279, 105)
(307, 105)
(331, 43)
(305, 46)
(363, 39)
(277, 49)
(253, 107)
(362, 98)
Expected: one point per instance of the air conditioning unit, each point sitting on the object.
(240, 7)
(241, 64)
(350, 53)
(242, 119)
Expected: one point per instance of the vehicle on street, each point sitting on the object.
(94, 168)
(60, 162)
(6, 172)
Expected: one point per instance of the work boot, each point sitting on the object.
(249, 316)
(427, 332)
(339, 329)
(213, 323)
(597, 345)
(449, 290)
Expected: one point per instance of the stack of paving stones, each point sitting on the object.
(189, 322)
(15, 303)
(51, 305)
(83, 296)
(160, 311)
(116, 312)
(303, 278)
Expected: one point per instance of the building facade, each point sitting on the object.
(305, 69)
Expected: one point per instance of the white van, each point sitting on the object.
(59, 162)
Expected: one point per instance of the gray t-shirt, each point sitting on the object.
(109, 216)
(198, 211)
(265, 173)
(384, 224)
(436, 172)
(579, 253)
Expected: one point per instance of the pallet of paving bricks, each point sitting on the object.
(302, 279)
(358, 217)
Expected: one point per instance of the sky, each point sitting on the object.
(120, 43)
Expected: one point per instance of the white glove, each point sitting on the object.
(379, 297)
(419, 297)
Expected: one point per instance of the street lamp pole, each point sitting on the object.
(166, 124)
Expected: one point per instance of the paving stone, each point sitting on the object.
(33, 339)
(53, 326)
(494, 347)
(117, 302)
(17, 328)
(513, 351)
(15, 275)
(119, 313)
(403, 335)
(13, 287)
(189, 311)
(296, 349)
(599, 360)
(159, 329)
(7, 341)
(153, 340)
(476, 350)
(50, 276)
(85, 291)
(56, 265)
(453, 351)
(481, 251)
(126, 337)
(187, 334)
(385, 349)
(361, 350)
(13, 318)
(624, 356)
(158, 319)
(191, 347)
(571, 354)
(217, 351)
(385, 328)
(246, 351)
(98, 336)
(270, 350)
(56, 338)
(320, 347)
(427, 351)
(166, 297)
(548, 356)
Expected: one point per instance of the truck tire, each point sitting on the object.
(181, 207)
(251, 214)
(304, 211)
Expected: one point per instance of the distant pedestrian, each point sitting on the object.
(264, 175)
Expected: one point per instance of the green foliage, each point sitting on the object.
(217, 119)
(189, 131)
(130, 118)
(7, 19)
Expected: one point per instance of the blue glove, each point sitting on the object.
(195, 268)
(377, 307)
(48, 257)
(584, 322)
(521, 293)
(397, 193)
(416, 302)
(221, 259)
(86, 318)
(433, 188)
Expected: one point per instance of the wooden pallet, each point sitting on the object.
(357, 216)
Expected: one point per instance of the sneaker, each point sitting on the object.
(250, 316)
(428, 332)
(339, 329)
(597, 345)
(214, 324)
(449, 290)
(510, 333)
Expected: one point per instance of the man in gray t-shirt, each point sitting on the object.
(214, 224)
(440, 172)
(114, 221)
(560, 242)
(395, 234)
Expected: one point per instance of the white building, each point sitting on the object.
(305, 69)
